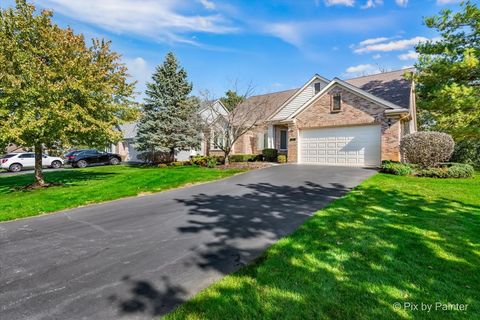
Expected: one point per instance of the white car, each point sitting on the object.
(15, 162)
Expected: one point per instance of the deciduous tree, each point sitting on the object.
(54, 89)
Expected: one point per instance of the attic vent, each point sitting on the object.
(317, 87)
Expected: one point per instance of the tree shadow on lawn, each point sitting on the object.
(68, 177)
(353, 260)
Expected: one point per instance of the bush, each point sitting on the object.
(210, 161)
(467, 151)
(396, 168)
(427, 149)
(270, 155)
(454, 170)
(282, 158)
(175, 164)
(245, 157)
(156, 157)
(162, 165)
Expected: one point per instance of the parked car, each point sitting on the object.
(82, 158)
(16, 162)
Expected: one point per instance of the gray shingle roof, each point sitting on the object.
(391, 86)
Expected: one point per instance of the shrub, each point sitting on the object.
(428, 149)
(282, 158)
(396, 168)
(175, 164)
(270, 155)
(453, 170)
(155, 157)
(187, 163)
(162, 165)
(244, 157)
(211, 162)
(467, 151)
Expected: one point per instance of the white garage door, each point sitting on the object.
(344, 146)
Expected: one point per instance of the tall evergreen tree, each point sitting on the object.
(169, 122)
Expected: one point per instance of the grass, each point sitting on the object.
(391, 240)
(92, 185)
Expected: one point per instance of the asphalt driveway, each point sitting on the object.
(140, 257)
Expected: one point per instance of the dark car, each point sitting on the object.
(82, 158)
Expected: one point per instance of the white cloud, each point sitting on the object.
(139, 71)
(207, 4)
(297, 33)
(443, 2)
(348, 3)
(377, 56)
(389, 46)
(362, 69)
(160, 20)
(373, 41)
(410, 55)
(401, 3)
(372, 3)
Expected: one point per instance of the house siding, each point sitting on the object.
(298, 101)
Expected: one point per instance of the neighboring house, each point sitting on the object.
(357, 122)
(210, 115)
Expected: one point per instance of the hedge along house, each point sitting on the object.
(358, 122)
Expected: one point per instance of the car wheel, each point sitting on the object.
(56, 164)
(16, 167)
(114, 161)
(82, 164)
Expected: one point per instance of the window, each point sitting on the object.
(283, 139)
(217, 140)
(265, 140)
(317, 87)
(27, 156)
(336, 102)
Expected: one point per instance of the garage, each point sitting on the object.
(343, 146)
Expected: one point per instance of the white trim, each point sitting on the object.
(350, 88)
(271, 136)
(315, 77)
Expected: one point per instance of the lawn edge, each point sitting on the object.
(139, 195)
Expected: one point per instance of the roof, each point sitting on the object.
(269, 102)
(390, 86)
(129, 130)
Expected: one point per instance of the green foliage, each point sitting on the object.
(55, 90)
(270, 155)
(282, 158)
(448, 74)
(455, 170)
(207, 161)
(211, 162)
(467, 151)
(170, 117)
(245, 157)
(427, 149)
(175, 164)
(231, 99)
(396, 168)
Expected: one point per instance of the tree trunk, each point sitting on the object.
(172, 154)
(38, 165)
(226, 154)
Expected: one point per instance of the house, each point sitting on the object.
(210, 113)
(357, 122)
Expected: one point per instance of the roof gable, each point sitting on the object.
(301, 96)
(337, 82)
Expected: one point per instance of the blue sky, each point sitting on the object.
(273, 45)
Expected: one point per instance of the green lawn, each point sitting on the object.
(392, 239)
(95, 184)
